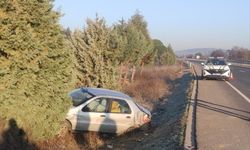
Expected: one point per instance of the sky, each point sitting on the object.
(184, 24)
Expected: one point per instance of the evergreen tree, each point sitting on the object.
(95, 55)
(171, 55)
(139, 40)
(159, 49)
(133, 41)
(35, 67)
(137, 20)
(163, 55)
(119, 41)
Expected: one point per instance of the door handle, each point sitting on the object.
(102, 116)
(128, 117)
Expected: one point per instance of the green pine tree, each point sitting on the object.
(35, 66)
(163, 55)
(95, 55)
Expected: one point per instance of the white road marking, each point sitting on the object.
(239, 92)
(242, 71)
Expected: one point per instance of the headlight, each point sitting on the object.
(206, 68)
(226, 68)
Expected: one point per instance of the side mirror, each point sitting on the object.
(229, 64)
(202, 64)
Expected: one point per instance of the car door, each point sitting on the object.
(119, 117)
(92, 115)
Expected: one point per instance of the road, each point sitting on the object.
(241, 79)
(223, 115)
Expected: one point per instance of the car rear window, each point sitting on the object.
(79, 96)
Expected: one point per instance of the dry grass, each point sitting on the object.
(76, 141)
(150, 85)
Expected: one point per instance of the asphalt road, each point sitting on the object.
(223, 115)
(241, 79)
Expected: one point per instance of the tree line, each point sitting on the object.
(239, 53)
(40, 62)
(235, 54)
(105, 54)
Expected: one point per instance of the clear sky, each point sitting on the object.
(182, 23)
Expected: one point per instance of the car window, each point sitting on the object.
(119, 106)
(97, 105)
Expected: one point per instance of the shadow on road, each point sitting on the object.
(224, 109)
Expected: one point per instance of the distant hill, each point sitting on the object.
(204, 51)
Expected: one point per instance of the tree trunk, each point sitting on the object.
(133, 73)
(142, 67)
(121, 71)
(126, 72)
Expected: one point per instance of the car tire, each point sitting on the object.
(202, 77)
(68, 125)
(65, 129)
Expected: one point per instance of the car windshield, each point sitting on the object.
(79, 96)
(216, 62)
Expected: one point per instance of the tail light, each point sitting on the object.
(146, 118)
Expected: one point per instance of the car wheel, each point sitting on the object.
(68, 125)
(202, 77)
(65, 129)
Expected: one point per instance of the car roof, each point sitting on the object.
(105, 92)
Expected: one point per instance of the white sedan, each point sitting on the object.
(103, 110)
